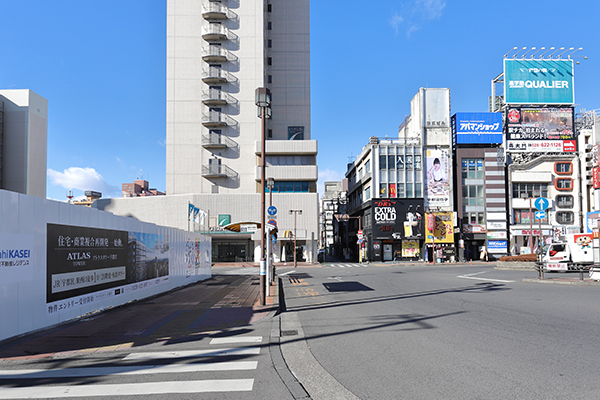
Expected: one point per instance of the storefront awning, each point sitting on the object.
(243, 227)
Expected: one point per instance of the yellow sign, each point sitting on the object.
(443, 231)
(410, 248)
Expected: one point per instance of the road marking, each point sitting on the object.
(128, 389)
(242, 351)
(285, 273)
(125, 370)
(237, 339)
(472, 276)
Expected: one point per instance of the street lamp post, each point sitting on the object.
(263, 101)
(295, 212)
(270, 262)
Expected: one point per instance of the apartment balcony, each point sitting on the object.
(214, 10)
(215, 119)
(215, 54)
(217, 171)
(216, 97)
(212, 74)
(213, 140)
(215, 32)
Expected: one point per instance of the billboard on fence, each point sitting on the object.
(538, 81)
(83, 261)
(540, 130)
(478, 128)
(438, 184)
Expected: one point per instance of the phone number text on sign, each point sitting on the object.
(548, 146)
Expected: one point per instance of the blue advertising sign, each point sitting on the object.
(497, 246)
(538, 81)
(478, 128)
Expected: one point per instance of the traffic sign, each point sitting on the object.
(540, 215)
(541, 203)
(272, 210)
(360, 232)
(360, 241)
(272, 222)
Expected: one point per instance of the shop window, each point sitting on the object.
(565, 201)
(565, 217)
(563, 183)
(525, 217)
(563, 168)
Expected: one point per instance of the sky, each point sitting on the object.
(102, 67)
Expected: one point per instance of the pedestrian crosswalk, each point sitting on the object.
(156, 372)
(345, 265)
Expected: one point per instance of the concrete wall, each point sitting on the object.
(172, 211)
(54, 280)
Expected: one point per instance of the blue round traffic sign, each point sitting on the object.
(541, 203)
(272, 210)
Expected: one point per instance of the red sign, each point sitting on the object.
(596, 177)
(569, 146)
(430, 222)
(360, 232)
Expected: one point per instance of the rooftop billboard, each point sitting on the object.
(541, 130)
(538, 81)
(478, 128)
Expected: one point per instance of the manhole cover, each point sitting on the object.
(289, 333)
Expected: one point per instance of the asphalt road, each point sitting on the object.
(443, 332)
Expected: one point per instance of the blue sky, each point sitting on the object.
(102, 67)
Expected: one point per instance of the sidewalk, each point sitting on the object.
(219, 303)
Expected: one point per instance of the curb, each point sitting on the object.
(556, 281)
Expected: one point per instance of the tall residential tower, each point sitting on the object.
(218, 54)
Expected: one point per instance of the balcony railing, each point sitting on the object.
(215, 32)
(216, 54)
(212, 140)
(215, 11)
(212, 74)
(217, 171)
(216, 97)
(212, 119)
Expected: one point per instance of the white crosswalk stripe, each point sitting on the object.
(176, 362)
(346, 265)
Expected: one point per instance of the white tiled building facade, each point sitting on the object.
(218, 54)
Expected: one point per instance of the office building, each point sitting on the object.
(23, 142)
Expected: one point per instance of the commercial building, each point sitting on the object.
(333, 209)
(545, 151)
(23, 142)
(139, 188)
(480, 185)
(395, 186)
(218, 54)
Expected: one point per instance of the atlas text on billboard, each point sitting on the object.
(482, 127)
(538, 81)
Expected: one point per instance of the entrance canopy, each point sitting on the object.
(243, 227)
